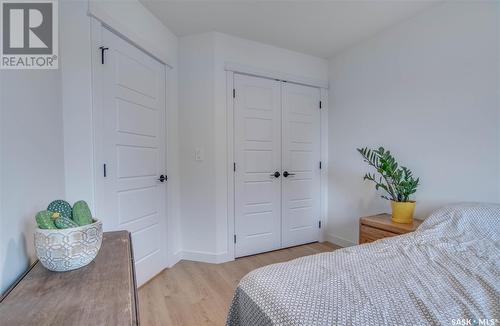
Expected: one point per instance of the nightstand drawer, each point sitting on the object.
(369, 234)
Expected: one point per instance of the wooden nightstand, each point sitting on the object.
(380, 226)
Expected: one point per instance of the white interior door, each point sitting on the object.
(301, 157)
(257, 135)
(130, 196)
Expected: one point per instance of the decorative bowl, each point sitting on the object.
(63, 250)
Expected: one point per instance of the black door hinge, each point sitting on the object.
(320, 165)
(235, 238)
(320, 104)
(102, 53)
(234, 93)
(104, 170)
(319, 224)
(234, 166)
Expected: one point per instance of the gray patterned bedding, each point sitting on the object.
(447, 272)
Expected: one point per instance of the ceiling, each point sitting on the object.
(320, 28)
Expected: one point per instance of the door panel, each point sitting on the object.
(301, 156)
(135, 120)
(133, 149)
(257, 131)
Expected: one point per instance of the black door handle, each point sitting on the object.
(286, 174)
(163, 178)
(276, 174)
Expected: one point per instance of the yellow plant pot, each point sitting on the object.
(402, 212)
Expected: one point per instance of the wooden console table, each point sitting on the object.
(101, 293)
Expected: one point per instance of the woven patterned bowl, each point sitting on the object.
(67, 249)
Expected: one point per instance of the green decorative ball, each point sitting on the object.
(44, 220)
(62, 207)
(64, 223)
(81, 213)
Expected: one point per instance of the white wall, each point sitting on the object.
(196, 125)
(32, 170)
(76, 93)
(173, 154)
(203, 125)
(426, 89)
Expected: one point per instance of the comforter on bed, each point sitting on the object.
(447, 272)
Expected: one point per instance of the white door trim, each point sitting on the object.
(97, 110)
(230, 164)
(273, 74)
(230, 158)
(97, 115)
(324, 163)
(97, 13)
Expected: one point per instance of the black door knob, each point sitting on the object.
(276, 174)
(286, 174)
(163, 178)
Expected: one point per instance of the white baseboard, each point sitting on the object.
(219, 258)
(176, 257)
(338, 240)
(206, 257)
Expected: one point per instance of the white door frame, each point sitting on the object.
(231, 69)
(97, 114)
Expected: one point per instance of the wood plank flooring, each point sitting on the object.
(193, 293)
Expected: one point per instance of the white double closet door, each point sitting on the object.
(277, 164)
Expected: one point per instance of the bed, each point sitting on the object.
(447, 272)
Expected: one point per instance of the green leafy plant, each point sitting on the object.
(397, 181)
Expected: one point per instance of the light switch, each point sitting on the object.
(198, 154)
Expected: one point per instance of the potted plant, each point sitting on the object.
(67, 237)
(397, 181)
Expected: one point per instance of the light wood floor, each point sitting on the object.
(192, 293)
